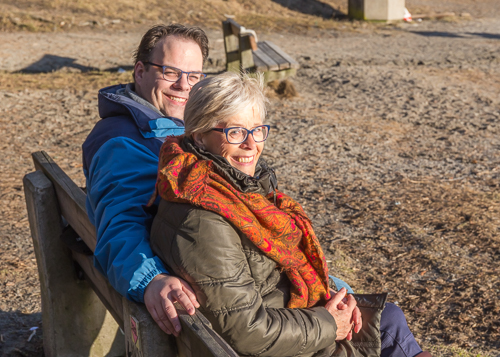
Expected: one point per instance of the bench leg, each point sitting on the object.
(75, 322)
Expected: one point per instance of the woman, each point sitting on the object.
(248, 250)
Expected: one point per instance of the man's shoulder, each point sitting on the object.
(124, 119)
(117, 129)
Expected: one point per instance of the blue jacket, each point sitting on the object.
(120, 162)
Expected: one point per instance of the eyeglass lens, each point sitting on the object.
(173, 75)
(238, 135)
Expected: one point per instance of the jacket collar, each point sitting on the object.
(114, 101)
(264, 181)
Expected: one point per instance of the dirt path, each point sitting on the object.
(394, 142)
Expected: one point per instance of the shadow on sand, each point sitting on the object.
(437, 34)
(491, 36)
(312, 7)
(15, 330)
(51, 63)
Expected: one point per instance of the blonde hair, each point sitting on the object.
(218, 98)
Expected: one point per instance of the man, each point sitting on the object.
(120, 161)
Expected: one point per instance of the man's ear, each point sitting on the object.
(139, 70)
(198, 140)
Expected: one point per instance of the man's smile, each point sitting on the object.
(176, 99)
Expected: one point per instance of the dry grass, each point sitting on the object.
(65, 15)
(261, 15)
(90, 81)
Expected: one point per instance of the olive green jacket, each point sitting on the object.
(243, 293)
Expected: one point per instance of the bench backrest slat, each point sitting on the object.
(71, 197)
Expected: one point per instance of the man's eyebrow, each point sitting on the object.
(239, 125)
(194, 70)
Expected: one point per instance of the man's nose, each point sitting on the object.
(182, 83)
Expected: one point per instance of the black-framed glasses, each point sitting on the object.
(173, 74)
(237, 135)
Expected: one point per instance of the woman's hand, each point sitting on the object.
(343, 313)
(356, 322)
(356, 319)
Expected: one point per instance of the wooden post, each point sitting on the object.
(75, 322)
(231, 44)
(246, 43)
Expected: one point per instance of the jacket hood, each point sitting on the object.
(151, 124)
(264, 181)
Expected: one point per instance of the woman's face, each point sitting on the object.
(242, 156)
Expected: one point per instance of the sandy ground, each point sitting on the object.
(392, 147)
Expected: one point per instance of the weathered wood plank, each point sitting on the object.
(199, 339)
(143, 336)
(231, 46)
(71, 197)
(292, 63)
(273, 75)
(269, 64)
(108, 295)
(75, 322)
(245, 48)
(269, 51)
(235, 27)
(259, 65)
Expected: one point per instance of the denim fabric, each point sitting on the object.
(341, 284)
(397, 339)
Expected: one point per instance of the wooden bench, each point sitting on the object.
(82, 314)
(245, 53)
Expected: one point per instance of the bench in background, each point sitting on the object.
(82, 314)
(245, 53)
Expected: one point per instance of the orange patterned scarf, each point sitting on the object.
(282, 232)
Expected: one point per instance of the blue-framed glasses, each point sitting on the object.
(173, 74)
(237, 135)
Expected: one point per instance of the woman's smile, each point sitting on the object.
(243, 156)
(245, 160)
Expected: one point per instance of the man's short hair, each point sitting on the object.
(159, 32)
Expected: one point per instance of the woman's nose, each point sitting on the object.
(249, 142)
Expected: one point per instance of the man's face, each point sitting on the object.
(169, 97)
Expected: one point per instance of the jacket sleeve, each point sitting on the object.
(120, 181)
(206, 251)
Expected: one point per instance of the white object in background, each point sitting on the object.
(407, 16)
(33, 333)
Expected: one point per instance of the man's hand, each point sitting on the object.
(342, 312)
(159, 297)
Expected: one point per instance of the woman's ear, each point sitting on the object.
(198, 140)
